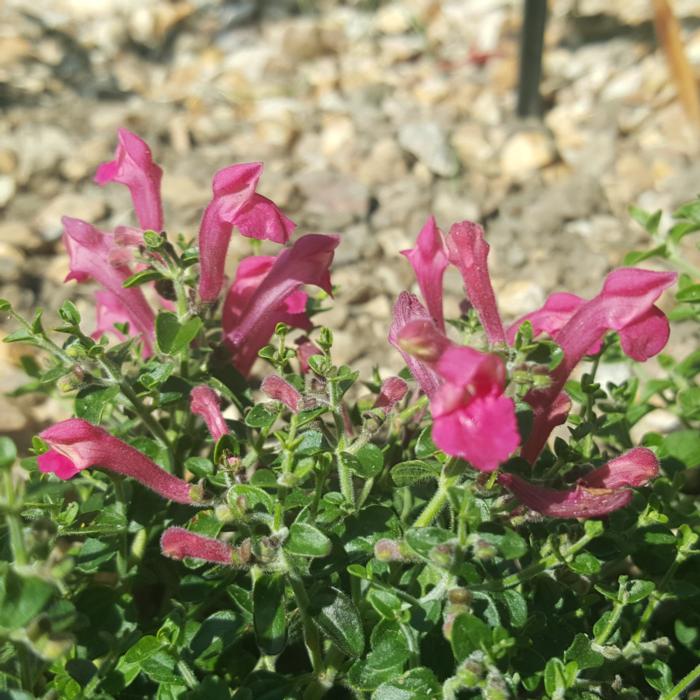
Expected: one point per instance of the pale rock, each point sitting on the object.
(336, 316)
(394, 19)
(398, 203)
(525, 152)
(345, 346)
(613, 373)
(385, 163)
(7, 190)
(356, 243)
(394, 240)
(11, 261)
(73, 204)
(379, 308)
(624, 85)
(301, 40)
(427, 141)
(57, 268)
(657, 421)
(18, 234)
(451, 203)
(8, 161)
(333, 200)
(12, 417)
(184, 192)
(336, 134)
(393, 280)
(472, 147)
(520, 297)
(322, 73)
(397, 49)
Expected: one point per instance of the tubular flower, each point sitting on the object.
(600, 492)
(94, 254)
(279, 389)
(626, 305)
(472, 418)
(391, 392)
(305, 349)
(204, 402)
(468, 251)
(429, 260)
(178, 543)
(133, 166)
(77, 445)
(235, 203)
(251, 314)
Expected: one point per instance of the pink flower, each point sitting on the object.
(278, 389)
(472, 419)
(626, 305)
(178, 543)
(133, 166)
(468, 251)
(429, 260)
(204, 402)
(94, 254)
(251, 313)
(600, 492)
(407, 309)
(77, 445)
(235, 203)
(391, 392)
(305, 349)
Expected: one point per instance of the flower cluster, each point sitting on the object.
(473, 416)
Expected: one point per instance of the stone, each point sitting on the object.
(19, 235)
(427, 141)
(7, 190)
(452, 204)
(333, 200)
(11, 262)
(12, 417)
(78, 205)
(519, 297)
(657, 421)
(526, 152)
(472, 147)
(394, 19)
(385, 163)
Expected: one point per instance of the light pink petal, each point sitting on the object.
(250, 318)
(483, 430)
(279, 389)
(429, 260)
(94, 254)
(468, 251)
(406, 310)
(133, 166)
(235, 203)
(53, 462)
(647, 336)
(579, 502)
(86, 445)
(204, 402)
(634, 468)
(178, 543)
(391, 392)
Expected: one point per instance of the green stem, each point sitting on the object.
(14, 524)
(605, 633)
(437, 502)
(682, 685)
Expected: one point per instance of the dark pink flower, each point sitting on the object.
(625, 305)
(204, 402)
(133, 166)
(429, 260)
(305, 349)
(94, 254)
(178, 543)
(391, 392)
(76, 445)
(601, 492)
(472, 418)
(235, 203)
(279, 389)
(468, 251)
(250, 316)
(406, 310)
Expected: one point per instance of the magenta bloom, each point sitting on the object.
(94, 254)
(235, 203)
(305, 349)
(472, 419)
(251, 311)
(391, 392)
(204, 402)
(279, 389)
(77, 445)
(178, 543)
(468, 251)
(625, 305)
(429, 260)
(406, 310)
(600, 492)
(133, 166)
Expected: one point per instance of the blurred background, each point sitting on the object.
(368, 115)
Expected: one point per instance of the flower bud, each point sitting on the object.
(281, 390)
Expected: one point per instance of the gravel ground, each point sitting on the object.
(368, 115)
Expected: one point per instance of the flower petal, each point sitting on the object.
(53, 462)
(634, 468)
(178, 543)
(204, 402)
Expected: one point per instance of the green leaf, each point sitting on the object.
(172, 336)
(684, 445)
(336, 616)
(8, 452)
(139, 278)
(690, 294)
(21, 597)
(143, 649)
(371, 460)
(581, 652)
(69, 313)
(425, 447)
(469, 633)
(92, 401)
(269, 618)
(658, 675)
(93, 554)
(422, 539)
(416, 684)
(585, 563)
(648, 220)
(306, 541)
(389, 646)
(555, 678)
(384, 602)
(253, 496)
(260, 417)
(516, 605)
(412, 471)
(639, 589)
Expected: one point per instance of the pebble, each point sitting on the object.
(11, 262)
(526, 152)
(18, 234)
(427, 141)
(333, 200)
(78, 205)
(7, 190)
(519, 297)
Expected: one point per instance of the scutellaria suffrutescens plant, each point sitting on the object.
(231, 514)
